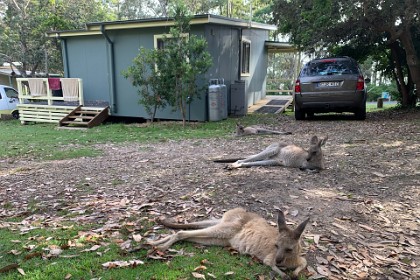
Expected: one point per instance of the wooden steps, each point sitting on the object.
(85, 117)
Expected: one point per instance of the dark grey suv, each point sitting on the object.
(330, 85)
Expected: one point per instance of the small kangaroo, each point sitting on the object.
(249, 234)
(255, 130)
(288, 155)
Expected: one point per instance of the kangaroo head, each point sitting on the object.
(315, 158)
(239, 129)
(288, 243)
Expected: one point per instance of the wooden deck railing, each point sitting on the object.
(276, 86)
(25, 95)
(43, 108)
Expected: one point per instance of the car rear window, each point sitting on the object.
(329, 67)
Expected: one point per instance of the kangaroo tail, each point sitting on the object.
(194, 225)
(283, 132)
(227, 160)
(274, 132)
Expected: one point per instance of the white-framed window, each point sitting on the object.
(245, 57)
(159, 39)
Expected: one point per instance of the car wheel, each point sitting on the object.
(15, 114)
(361, 113)
(299, 114)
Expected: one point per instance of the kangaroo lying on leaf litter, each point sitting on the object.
(284, 154)
(248, 233)
(256, 130)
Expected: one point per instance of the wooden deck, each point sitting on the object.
(272, 104)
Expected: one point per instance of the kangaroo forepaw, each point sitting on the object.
(234, 165)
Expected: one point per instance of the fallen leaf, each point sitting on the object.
(55, 252)
(316, 238)
(366, 227)
(294, 213)
(212, 275)
(205, 262)
(21, 271)
(93, 248)
(125, 245)
(229, 273)
(340, 226)
(200, 268)
(68, 276)
(323, 270)
(118, 264)
(137, 237)
(198, 275)
(321, 260)
(15, 252)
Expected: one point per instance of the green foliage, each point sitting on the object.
(374, 92)
(326, 27)
(23, 28)
(144, 74)
(174, 74)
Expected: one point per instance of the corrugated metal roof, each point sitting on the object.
(94, 28)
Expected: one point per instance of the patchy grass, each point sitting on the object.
(33, 254)
(46, 142)
(372, 107)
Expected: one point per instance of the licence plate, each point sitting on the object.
(329, 84)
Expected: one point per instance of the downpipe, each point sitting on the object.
(112, 69)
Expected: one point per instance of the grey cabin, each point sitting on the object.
(99, 53)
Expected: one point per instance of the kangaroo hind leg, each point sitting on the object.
(213, 235)
(266, 154)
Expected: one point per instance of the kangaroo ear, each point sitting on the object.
(323, 141)
(314, 140)
(281, 221)
(299, 230)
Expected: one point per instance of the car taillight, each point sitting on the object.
(360, 83)
(297, 86)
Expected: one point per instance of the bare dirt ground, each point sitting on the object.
(364, 208)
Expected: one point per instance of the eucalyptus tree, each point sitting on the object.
(25, 23)
(364, 26)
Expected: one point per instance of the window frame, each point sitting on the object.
(245, 57)
(157, 37)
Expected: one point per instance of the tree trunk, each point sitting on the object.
(402, 87)
(413, 61)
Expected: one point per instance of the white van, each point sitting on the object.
(8, 101)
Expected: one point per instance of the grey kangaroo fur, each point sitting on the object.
(255, 130)
(249, 234)
(288, 155)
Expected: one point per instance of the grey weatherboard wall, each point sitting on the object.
(89, 57)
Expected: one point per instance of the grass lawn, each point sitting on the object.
(47, 142)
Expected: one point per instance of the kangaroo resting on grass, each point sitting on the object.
(288, 155)
(255, 130)
(248, 233)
